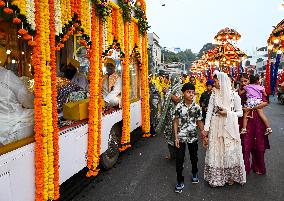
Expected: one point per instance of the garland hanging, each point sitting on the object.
(103, 8)
(36, 61)
(73, 27)
(125, 138)
(145, 91)
(54, 98)
(126, 7)
(140, 14)
(95, 108)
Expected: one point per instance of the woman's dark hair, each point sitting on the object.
(215, 76)
(245, 75)
(253, 79)
(70, 72)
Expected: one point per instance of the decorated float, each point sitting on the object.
(84, 62)
(275, 45)
(226, 57)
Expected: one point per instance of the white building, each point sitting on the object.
(155, 51)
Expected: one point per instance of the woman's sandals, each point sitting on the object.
(243, 131)
(268, 131)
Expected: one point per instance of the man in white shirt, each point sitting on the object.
(112, 86)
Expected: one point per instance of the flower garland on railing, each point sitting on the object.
(54, 97)
(125, 138)
(103, 8)
(126, 7)
(95, 108)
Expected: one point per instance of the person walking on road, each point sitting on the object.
(254, 142)
(165, 124)
(205, 97)
(187, 114)
(224, 159)
(155, 101)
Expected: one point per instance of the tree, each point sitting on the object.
(205, 48)
(186, 56)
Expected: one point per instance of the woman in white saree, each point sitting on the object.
(224, 159)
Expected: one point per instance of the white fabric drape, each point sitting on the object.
(16, 108)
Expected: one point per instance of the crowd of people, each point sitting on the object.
(230, 119)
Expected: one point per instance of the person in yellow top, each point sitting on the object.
(199, 88)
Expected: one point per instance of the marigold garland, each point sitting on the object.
(36, 61)
(145, 91)
(95, 96)
(21, 4)
(85, 16)
(125, 138)
(54, 99)
(114, 22)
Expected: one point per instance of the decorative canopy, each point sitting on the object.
(227, 34)
(276, 38)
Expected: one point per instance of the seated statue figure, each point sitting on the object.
(112, 86)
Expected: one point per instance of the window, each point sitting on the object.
(16, 86)
(134, 81)
(73, 85)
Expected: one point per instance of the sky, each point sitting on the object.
(189, 24)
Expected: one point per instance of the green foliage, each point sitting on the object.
(103, 8)
(126, 7)
(205, 48)
(143, 24)
(186, 56)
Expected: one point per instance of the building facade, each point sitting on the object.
(155, 52)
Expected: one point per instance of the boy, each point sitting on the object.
(187, 114)
(205, 97)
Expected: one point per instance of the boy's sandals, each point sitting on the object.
(243, 131)
(268, 131)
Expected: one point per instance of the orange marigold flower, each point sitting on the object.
(27, 37)
(17, 20)
(8, 10)
(23, 31)
(2, 4)
(31, 43)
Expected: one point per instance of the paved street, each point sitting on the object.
(143, 174)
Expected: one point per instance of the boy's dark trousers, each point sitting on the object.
(180, 153)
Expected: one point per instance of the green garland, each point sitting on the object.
(143, 24)
(103, 8)
(126, 7)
